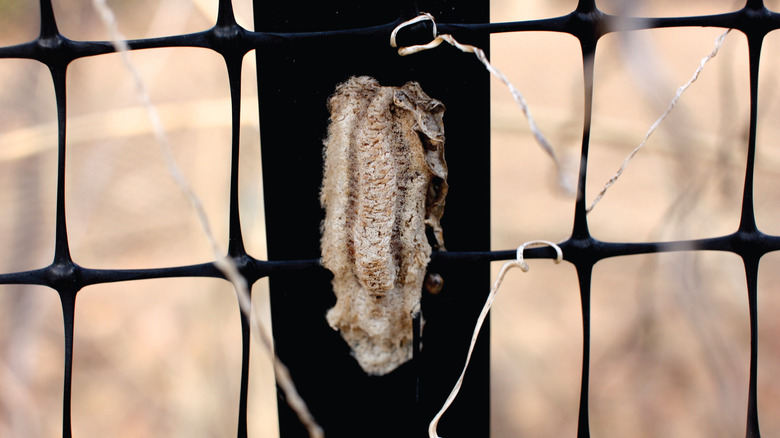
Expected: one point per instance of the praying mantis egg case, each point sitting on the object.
(385, 181)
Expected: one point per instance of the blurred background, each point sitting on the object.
(161, 358)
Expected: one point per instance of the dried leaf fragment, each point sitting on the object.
(385, 180)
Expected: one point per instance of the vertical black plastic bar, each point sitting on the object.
(62, 269)
(295, 80)
(61, 251)
(236, 248)
(231, 45)
(584, 275)
(581, 234)
(581, 246)
(751, 273)
(748, 230)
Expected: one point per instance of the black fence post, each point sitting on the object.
(296, 77)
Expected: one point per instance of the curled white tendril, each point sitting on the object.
(480, 54)
(519, 262)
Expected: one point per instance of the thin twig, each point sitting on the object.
(654, 126)
(224, 264)
(480, 54)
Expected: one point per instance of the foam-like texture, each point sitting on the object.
(384, 182)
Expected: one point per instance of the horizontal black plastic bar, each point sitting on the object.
(253, 269)
(233, 37)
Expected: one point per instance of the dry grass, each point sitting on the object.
(670, 334)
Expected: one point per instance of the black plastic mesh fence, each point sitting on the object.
(302, 53)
